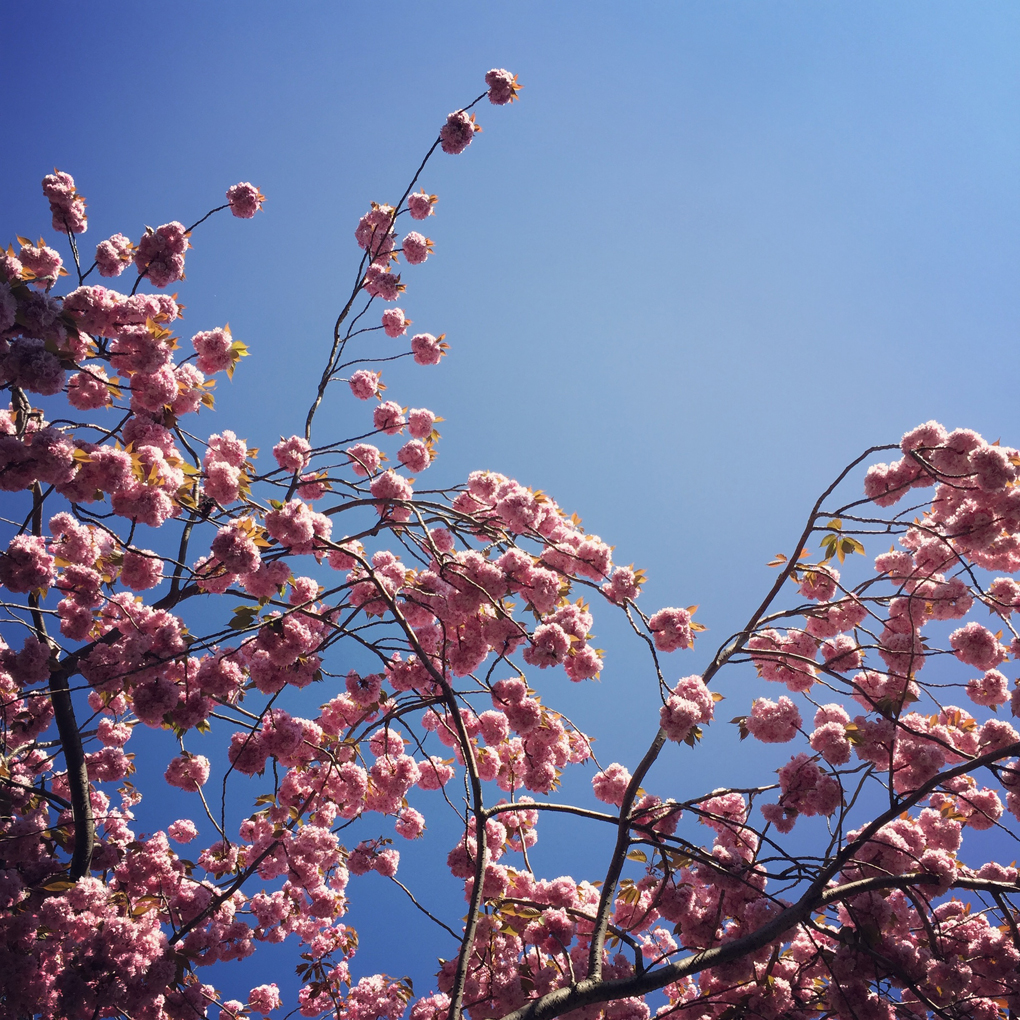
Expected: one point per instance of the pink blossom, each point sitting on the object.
(773, 722)
(671, 629)
(428, 349)
(160, 254)
(247, 753)
(142, 569)
(41, 262)
(842, 653)
(364, 458)
(245, 200)
(389, 486)
(456, 134)
(313, 486)
(234, 547)
(420, 205)
(297, 527)
(420, 422)
(182, 831)
(415, 456)
(394, 323)
(264, 998)
(375, 231)
(624, 584)
(416, 248)
(991, 689)
(503, 87)
(66, 205)
(410, 823)
(364, 384)
(292, 454)
(977, 646)
(689, 704)
(26, 565)
(226, 447)
(1004, 596)
(28, 364)
(829, 739)
(114, 255)
(925, 437)
(89, 390)
(611, 784)
(214, 349)
(381, 283)
(819, 583)
(583, 663)
(389, 417)
(188, 771)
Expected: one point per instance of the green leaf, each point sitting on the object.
(244, 617)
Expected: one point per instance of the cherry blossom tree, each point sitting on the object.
(857, 883)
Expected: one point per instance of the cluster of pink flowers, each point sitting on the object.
(66, 205)
(244, 200)
(160, 254)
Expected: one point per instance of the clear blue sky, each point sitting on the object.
(715, 251)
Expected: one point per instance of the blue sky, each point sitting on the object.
(715, 251)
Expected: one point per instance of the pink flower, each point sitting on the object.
(66, 205)
(623, 585)
(374, 232)
(364, 458)
(214, 348)
(671, 629)
(503, 87)
(264, 999)
(141, 570)
(583, 663)
(297, 527)
(160, 254)
(977, 646)
(991, 689)
(610, 785)
(30, 365)
(245, 200)
(819, 583)
(394, 323)
(772, 722)
(292, 454)
(416, 248)
(456, 134)
(842, 653)
(427, 349)
(313, 486)
(188, 771)
(234, 547)
(41, 262)
(114, 255)
(410, 823)
(415, 456)
(389, 417)
(420, 205)
(689, 704)
(182, 831)
(391, 486)
(225, 446)
(364, 384)
(381, 283)
(26, 566)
